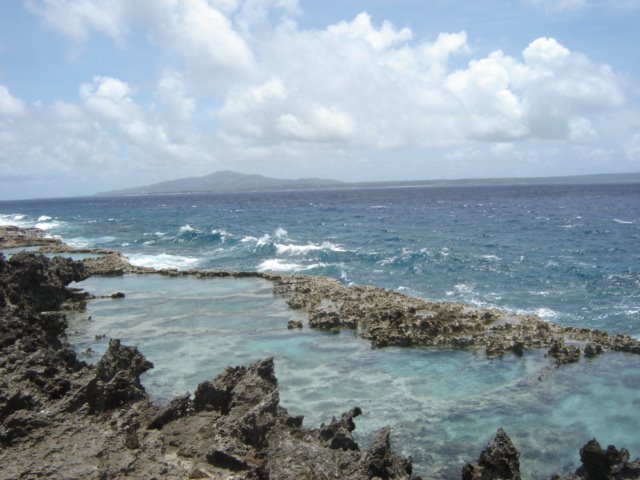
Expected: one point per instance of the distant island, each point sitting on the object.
(225, 181)
(228, 181)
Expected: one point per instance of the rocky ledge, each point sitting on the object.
(390, 318)
(62, 418)
(16, 237)
(383, 316)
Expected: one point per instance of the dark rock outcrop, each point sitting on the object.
(61, 418)
(37, 283)
(390, 318)
(116, 381)
(562, 353)
(600, 464)
(36, 363)
(500, 460)
(15, 237)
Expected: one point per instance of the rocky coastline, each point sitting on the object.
(62, 418)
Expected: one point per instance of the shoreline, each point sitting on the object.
(384, 317)
(238, 412)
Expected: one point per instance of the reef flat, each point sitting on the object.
(62, 418)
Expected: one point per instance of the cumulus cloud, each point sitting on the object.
(177, 105)
(10, 106)
(243, 81)
(103, 133)
(386, 91)
(361, 30)
(200, 34)
(355, 81)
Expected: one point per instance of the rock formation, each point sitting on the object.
(61, 418)
(390, 318)
(600, 464)
(500, 460)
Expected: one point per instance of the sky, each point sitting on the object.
(106, 94)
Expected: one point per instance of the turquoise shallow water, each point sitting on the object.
(443, 406)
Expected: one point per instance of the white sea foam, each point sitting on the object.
(281, 233)
(291, 249)
(279, 265)
(539, 293)
(223, 234)
(543, 313)
(47, 225)
(79, 242)
(19, 217)
(186, 229)
(624, 222)
(11, 219)
(263, 240)
(463, 288)
(44, 218)
(491, 258)
(387, 261)
(163, 260)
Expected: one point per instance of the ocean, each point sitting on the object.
(569, 254)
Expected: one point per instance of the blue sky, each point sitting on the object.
(105, 94)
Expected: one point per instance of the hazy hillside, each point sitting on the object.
(227, 181)
(224, 181)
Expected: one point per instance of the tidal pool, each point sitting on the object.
(443, 405)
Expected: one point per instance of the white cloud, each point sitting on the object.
(503, 149)
(78, 18)
(632, 149)
(397, 94)
(360, 29)
(243, 81)
(108, 99)
(354, 81)
(105, 132)
(546, 52)
(326, 124)
(198, 33)
(581, 130)
(172, 95)
(10, 106)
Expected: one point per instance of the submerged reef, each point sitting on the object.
(63, 418)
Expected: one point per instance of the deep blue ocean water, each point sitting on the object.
(570, 254)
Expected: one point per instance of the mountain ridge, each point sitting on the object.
(229, 181)
(223, 181)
